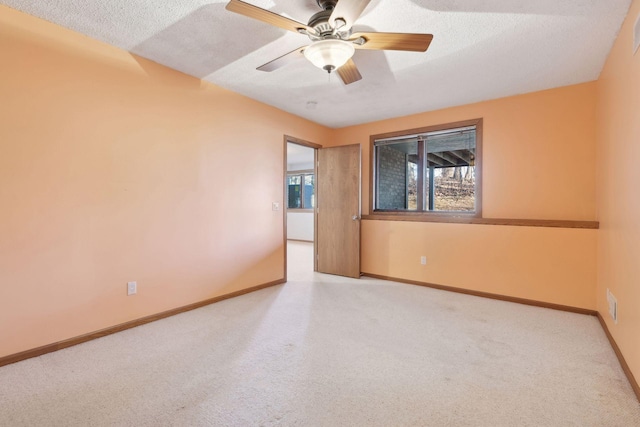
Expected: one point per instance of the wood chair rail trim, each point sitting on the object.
(593, 225)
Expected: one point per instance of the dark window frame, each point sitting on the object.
(478, 123)
(301, 174)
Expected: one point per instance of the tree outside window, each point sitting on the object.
(429, 170)
(300, 190)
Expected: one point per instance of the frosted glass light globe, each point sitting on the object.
(329, 54)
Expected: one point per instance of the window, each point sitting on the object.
(300, 190)
(429, 170)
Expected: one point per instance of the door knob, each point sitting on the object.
(355, 217)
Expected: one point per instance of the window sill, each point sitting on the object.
(482, 221)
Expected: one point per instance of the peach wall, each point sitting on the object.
(618, 179)
(114, 169)
(542, 264)
(539, 151)
(538, 163)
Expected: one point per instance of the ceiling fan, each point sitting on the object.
(332, 41)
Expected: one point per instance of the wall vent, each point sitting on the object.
(636, 36)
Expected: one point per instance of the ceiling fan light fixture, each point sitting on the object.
(329, 54)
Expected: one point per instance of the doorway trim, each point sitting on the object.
(294, 140)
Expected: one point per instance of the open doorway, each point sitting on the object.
(300, 205)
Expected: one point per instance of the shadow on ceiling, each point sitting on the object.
(372, 63)
(206, 40)
(309, 7)
(529, 7)
(306, 7)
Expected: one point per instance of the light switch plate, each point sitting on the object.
(636, 36)
(613, 306)
(132, 288)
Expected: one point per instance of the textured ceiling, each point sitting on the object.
(482, 49)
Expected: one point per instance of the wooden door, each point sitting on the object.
(338, 211)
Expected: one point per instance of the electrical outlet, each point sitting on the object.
(423, 260)
(613, 306)
(132, 288)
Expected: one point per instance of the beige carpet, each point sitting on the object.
(328, 351)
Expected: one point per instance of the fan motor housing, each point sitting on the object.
(320, 22)
(327, 4)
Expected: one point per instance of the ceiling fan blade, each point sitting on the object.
(264, 15)
(349, 72)
(348, 11)
(285, 59)
(392, 41)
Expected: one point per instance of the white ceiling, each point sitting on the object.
(299, 157)
(482, 49)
